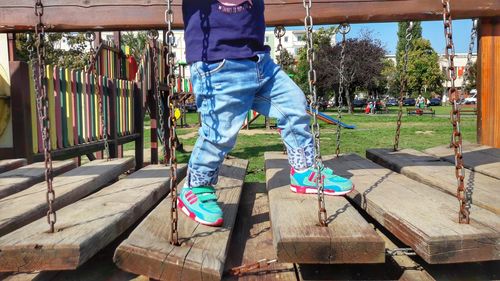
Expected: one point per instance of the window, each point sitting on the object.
(267, 39)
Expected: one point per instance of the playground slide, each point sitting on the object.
(325, 118)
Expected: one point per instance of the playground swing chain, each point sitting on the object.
(464, 197)
(90, 37)
(468, 65)
(343, 29)
(38, 63)
(174, 215)
(318, 165)
(403, 84)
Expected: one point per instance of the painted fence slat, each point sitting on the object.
(69, 107)
(35, 127)
(52, 105)
(57, 108)
(62, 91)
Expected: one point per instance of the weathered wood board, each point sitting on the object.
(11, 164)
(422, 217)
(87, 226)
(439, 174)
(253, 240)
(30, 204)
(203, 252)
(479, 158)
(24, 177)
(74, 15)
(294, 217)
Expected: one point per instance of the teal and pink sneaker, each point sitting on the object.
(200, 204)
(305, 182)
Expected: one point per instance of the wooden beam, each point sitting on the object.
(297, 237)
(11, 164)
(488, 120)
(24, 177)
(86, 226)
(479, 158)
(64, 15)
(439, 174)
(31, 204)
(420, 216)
(204, 249)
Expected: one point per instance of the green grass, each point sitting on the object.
(373, 131)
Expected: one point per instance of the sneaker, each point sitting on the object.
(200, 204)
(305, 182)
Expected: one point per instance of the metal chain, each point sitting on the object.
(90, 37)
(308, 24)
(174, 215)
(153, 36)
(401, 252)
(468, 65)
(402, 87)
(464, 212)
(343, 29)
(42, 105)
(279, 32)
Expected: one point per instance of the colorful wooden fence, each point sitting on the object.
(73, 94)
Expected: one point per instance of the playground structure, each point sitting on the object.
(395, 199)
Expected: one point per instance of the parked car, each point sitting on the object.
(359, 103)
(392, 102)
(409, 102)
(472, 99)
(434, 102)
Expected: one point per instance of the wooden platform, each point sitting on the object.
(203, 252)
(439, 174)
(30, 204)
(11, 164)
(294, 218)
(21, 178)
(479, 158)
(421, 216)
(87, 226)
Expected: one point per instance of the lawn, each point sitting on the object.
(418, 132)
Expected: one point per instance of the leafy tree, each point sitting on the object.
(137, 42)
(74, 57)
(424, 73)
(288, 62)
(389, 77)
(471, 79)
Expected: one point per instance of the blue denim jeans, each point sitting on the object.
(225, 91)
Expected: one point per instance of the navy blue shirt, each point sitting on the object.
(214, 32)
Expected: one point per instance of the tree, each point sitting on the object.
(390, 77)
(288, 62)
(137, 42)
(75, 56)
(471, 78)
(424, 73)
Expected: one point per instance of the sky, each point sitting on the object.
(431, 30)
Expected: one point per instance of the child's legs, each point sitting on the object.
(224, 94)
(281, 98)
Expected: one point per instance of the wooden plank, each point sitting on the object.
(148, 14)
(253, 240)
(439, 174)
(420, 216)
(11, 164)
(479, 158)
(203, 252)
(24, 177)
(87, 226)
(296, 235)
(30, 204)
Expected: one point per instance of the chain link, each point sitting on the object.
(403, 85)
(343, 29)
(174, 215)
(308, 25)
(90, 37)
(240, 270)
(279, 32)
(470, 187)
(463, 214)
(468, 65)
(43, 110)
